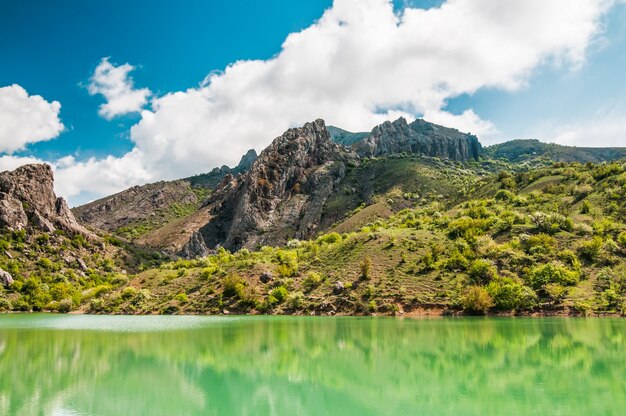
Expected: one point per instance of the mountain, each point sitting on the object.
(136, 211)
(27, 200)
(411, 218)
(282, 195)
(345, 137)
(518, 151)
(419, 137)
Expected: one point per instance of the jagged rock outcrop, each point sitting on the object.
(282, 195)
(419, 137)
(27, 199)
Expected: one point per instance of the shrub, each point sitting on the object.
(280, 294)
(540, 276)
(129, 293)
(312, 280)
(503, 195)
(621, 239)
(538, 244)
(65, 306)
(585, 207)
(509, 293)
(233, 286)
(569, 258)
(366, 268)
(590, 250)
(476, 299)
(551, 223)
(329, 238)
(295, 300)
(482, 271)
(5, 304)
(556, 292)
(182, 297)
(456, 262)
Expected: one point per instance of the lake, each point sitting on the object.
(168, 365)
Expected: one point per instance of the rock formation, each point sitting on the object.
(419, 137)
(27, 199)
(282, 195)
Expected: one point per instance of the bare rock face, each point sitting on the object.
(419, 137)
(27, 199)
(282, 195)
(12, 213)
(5, 278)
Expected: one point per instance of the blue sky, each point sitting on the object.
(556, 77)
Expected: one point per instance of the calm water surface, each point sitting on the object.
(101, 365)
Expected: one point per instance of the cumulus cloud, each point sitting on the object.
(115, 84)
(360, 64)
(602, 132)
(26, 119)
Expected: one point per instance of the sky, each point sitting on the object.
(115, 94)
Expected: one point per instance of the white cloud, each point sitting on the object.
(26, 119)
(358, 66)
(602, 132)
(117, 87)
(361, 64)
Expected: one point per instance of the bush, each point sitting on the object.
(556, 292)
(129, 293)
(590, 250)
(456, 262)
(233, 286)
(182, 297)
(551, 223)
(295, 300)
(366, 268)
(621, 239)
(65, 306)
(482, 271)
(509, 293)
(476, 299)
(503, 195)
(538, 244)
(330, 238)
(540, 276)
(280, 294)
(312, 280)
(5, 304)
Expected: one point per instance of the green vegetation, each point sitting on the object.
(550, 240)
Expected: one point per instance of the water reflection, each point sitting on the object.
(312, 366)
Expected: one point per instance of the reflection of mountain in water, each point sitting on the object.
(301, 366)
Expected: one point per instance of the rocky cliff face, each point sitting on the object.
(27, 199)
(281, 196)
(419, 137)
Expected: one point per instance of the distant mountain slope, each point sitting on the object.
(140, 209)
(516, 151)
(345, 137)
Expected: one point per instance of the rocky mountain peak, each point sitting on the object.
(419, 137)
(282, 194)
(246, 161)
(27, 199)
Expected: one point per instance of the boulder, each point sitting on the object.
(5, 278)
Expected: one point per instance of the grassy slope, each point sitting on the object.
(551, 241)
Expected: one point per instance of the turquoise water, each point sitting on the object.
(108, 365)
